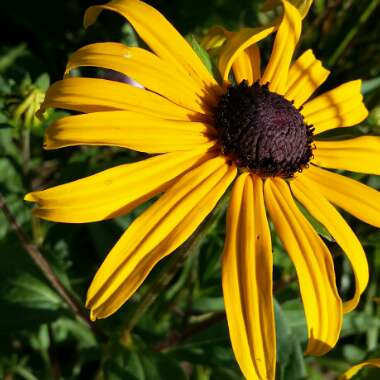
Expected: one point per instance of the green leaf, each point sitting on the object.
(202, 53)
(137, 362)
(208, 304)
(43, 82)
(290, 361)
(370, 85)
(26, 302)
(358, 322)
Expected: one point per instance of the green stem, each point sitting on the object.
(173, 264)
(351, 34)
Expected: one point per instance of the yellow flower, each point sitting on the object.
(263, 132)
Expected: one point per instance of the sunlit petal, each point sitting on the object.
(326, 214)
(314, 266)
(115, 191)
(361, 154)
(350, 195)
(247, 65)
(160, 36)
(93, 94)
(356, 368)
(127, 129)
(156, 233)
(341, 107)
(305, 76)
(247, 280)
(238, 42)
(288, 34)
(144, 67)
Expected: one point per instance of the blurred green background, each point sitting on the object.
(174, 327)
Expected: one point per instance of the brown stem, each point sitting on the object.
(44, 266)
(176, 338)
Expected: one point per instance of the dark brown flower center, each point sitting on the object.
(262, 131)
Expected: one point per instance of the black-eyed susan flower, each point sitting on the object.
(259, 132)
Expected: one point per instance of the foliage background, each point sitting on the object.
(174, 327)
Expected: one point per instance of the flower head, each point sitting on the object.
(259, 131)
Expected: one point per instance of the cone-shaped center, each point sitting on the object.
(262, 131)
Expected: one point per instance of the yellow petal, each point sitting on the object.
(361, 154)
(247, 280)
(92, 94)
(127, 129)
(237, 43)
(214, 38)
(314, 266)
(305, 76)
(115, 191)
(160, 36)
(303, 6)
(144, 67)
(247, 65)
(156, 233)
(288, 34)
(326, 214)
(356, 368)
(341, 107)
(350, 195)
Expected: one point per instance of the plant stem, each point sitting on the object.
(189, 332)
(44, 266)
(173, 264)
(351, 34)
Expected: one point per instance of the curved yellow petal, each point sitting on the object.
(237, 43)
(160, 36)
(156, 233)
(341, 107)
(144, 67)
(361, 154)
(350, 195)
(115, 191)
(247, 65)
(214, 38)
(129, 130)
(326, 214)
(314, 266)
(356, 368)
(288, 34)
(303, 6)
(247, 280)
(305, 76)
(92, 94)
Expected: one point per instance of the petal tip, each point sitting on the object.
(30, 197)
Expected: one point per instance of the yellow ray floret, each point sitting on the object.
(156, 233)
(247, 280)
(129, 130)
(314, 266)
(360, 154)
(115, 191)
(325, 213)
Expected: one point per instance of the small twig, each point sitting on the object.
(176, 338)
(44, 266)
